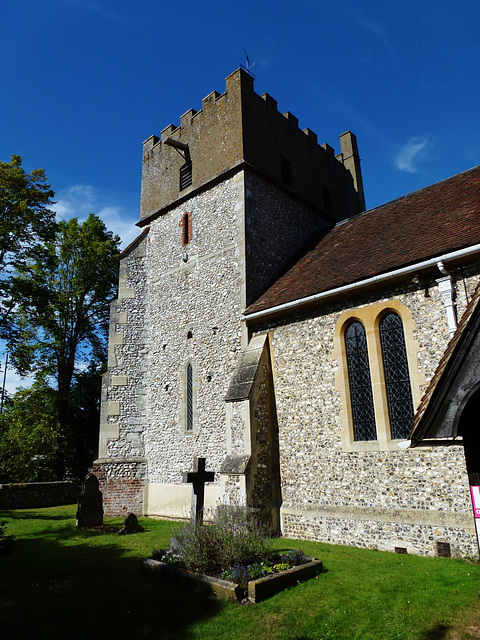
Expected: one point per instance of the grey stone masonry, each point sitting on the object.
(276, 227)
(196, 295)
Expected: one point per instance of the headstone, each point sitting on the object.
(198, 477)
(90, 503)
(130, 525)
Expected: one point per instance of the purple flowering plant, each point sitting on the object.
(234, 545)
(235, 535)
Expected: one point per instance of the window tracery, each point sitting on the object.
(378, 375)
(397, 377)
(361, 398)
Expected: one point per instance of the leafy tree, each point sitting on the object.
(26, 224)
(32, 447)
(65, 328)
(29, 437)
(84, 420)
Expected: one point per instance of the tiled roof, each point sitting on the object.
(443, 365)
(435, 220)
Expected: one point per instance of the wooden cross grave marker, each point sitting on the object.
(198, 477)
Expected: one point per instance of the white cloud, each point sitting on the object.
(413, 152)
(117, 221)
(374, 27)
(77, 201)
(81, 200)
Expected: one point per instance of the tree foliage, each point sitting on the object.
(67, 323)
(33, 447)
(63, 329)
(29, 435)
(26, 224)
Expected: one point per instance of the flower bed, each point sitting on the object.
(254, 590)
(232, 556)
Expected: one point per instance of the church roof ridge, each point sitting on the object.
(406, 196)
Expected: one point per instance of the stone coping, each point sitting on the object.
(376, 514)
(258, 590)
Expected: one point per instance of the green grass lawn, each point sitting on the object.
(67, 583)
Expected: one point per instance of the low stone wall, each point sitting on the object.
(37, 494)
(424, 533)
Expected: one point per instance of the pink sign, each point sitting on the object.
(475, 493)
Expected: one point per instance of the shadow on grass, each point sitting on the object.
(79, 590)
(438, 632)
(29, 515)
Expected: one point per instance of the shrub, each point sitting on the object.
(241, 574)
(234, 537)
(234, 545)
(167, 556)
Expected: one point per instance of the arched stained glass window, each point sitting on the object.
(189, 398)
(363, 412)
(397, 378)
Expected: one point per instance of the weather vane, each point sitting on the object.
(247, 66)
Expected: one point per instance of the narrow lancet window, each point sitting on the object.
(397, 378)
(189, 398)
(186, 227)
(363, 412)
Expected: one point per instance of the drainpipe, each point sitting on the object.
(446, 290)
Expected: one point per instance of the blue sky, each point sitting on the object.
(84, 82)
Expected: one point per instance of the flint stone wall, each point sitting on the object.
(124, 388)
(200, 290)
(195, 297)
(33, 495)
(181, 304)
(276, 227)
(318, 474)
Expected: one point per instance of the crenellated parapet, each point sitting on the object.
(242, 129)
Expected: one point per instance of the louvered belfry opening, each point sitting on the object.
(185, 176)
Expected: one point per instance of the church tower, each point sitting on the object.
(229, 198)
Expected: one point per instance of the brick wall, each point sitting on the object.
(120, 495)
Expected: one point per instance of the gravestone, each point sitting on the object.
(90, 503)
(130, 525)
(198, 477)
